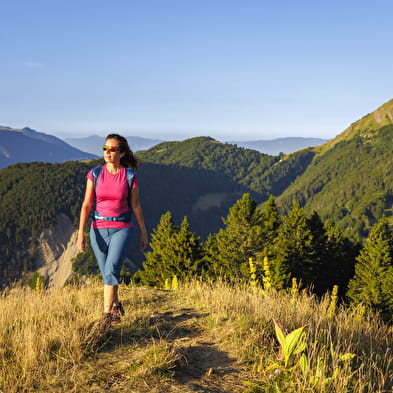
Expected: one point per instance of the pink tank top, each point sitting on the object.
(111, 197)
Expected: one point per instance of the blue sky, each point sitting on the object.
(173, 69)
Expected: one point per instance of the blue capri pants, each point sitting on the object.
(110, 248)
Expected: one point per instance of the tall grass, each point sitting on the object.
(44, 333)
(48, 337)
(45, 337)
(245, 318)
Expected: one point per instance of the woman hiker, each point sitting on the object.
(114, 187)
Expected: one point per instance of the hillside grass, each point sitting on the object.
(202, 337)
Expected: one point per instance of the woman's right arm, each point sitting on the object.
(85, 211)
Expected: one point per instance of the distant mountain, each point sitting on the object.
(93, 143)
(280, 145)
(27, 145)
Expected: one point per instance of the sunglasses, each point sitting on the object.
(111, 148)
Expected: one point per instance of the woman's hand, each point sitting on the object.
(81, 242)
(144, 241)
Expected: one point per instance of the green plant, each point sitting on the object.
(292, 344)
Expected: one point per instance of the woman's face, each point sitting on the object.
(112, 156)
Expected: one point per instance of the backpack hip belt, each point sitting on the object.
(125, 217)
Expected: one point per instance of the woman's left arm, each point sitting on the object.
(137, 210)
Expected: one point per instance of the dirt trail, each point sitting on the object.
(207, 365)
(204, 363)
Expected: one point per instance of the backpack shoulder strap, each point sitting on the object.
(130, 173)
(96, 174)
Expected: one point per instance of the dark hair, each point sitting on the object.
(128, 160)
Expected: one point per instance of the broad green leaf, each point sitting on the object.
(280, 336)
(296, 341)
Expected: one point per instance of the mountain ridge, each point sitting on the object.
(369, 123)
(349, 179)
(28, 145)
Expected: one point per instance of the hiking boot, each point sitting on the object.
(115, 318)
(116, 312)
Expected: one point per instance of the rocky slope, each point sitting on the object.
(57, 247)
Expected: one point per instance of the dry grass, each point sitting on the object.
(245, 318)
(201, 338)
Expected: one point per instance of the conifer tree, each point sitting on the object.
(175, 252)
(319, 255)
(372, 283)
(229, 250)
(298, 250)
(189, 252)
(270, 222)
(342, 253)
(157, 266)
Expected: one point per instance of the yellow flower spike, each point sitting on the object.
(166, 285)
(253, 276)
(198, 286)
(333, 301)
(175, 283)
(295, 287)
(267, 281)
(39, 283)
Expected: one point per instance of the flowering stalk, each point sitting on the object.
(253, 276)
(267, 279)
(175, 283)
(333, 301)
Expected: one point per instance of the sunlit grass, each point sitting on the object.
(245, 318)
(51, 341)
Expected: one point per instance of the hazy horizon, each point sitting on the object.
(67, 136)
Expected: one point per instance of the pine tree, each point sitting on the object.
(229, 250)
(319, 258)
(175, 252)
(189, 252)
(271, 222)
(372, 283)
(342, 253)
(157, 266)
(296, 250)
